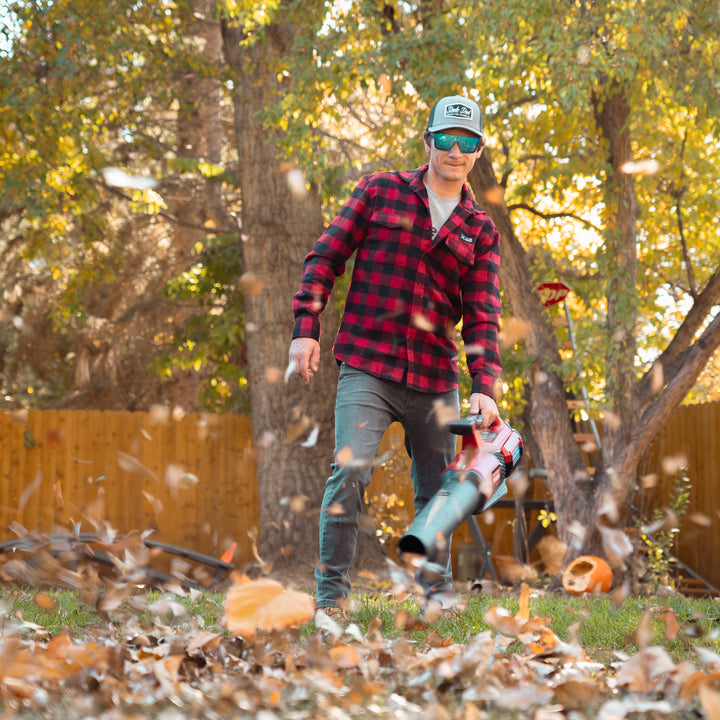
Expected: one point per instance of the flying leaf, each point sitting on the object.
(116, 177)
(265, 605)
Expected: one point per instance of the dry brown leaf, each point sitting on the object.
(444, 413)
(495, 194)
(578, 694)
(344, 456)
(709, 696)
(133, 465)
(513, 331)
(616, 545)
(534, 624)
(657, 377)
(250, 284)
(513, 570)
(345, 656)
(159, 415)
(405, 620)
(177, 478)
(691, 687)
(501, 619)
(671, 464)
(167, 669)
(421, 322)
(545, 643)
(203, 640)
(523, 613)
(298, 429)
(298, 503)
(649, 481)
(700, 519)
(273, 374)
(384, 84)
(644, 630)
(59, 659)
(552, 552)
(265, 605)
(672, 627)
(641, 672)
(335, 509)
(44, 601)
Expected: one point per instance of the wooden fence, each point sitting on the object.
(193, 480)
(691, 438)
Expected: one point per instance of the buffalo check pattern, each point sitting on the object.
(408, 291)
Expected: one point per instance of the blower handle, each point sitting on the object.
(468, 425)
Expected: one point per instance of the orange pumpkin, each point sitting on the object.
(587, 574)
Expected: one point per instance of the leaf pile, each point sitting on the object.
(151, 656)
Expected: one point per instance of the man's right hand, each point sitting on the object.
(305, 357)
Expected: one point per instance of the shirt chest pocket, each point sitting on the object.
(391, 221)
(462, 250)
(392, 234)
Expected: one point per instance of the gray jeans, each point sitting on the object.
(364, 408)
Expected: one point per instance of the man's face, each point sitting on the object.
(451, 165)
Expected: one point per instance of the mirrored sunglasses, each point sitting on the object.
(445, 142)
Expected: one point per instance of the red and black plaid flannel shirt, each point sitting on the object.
(408, 292)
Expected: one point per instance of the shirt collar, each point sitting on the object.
(414, 178)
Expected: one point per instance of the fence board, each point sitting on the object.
(18, 456)
(86, 480)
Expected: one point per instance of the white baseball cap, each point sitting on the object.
(456, 111)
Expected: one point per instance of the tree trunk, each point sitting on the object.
(549, 423)
(615, 477)
(278, 229)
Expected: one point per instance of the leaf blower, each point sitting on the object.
(473, 482)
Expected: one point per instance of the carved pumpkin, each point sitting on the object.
(587, 574)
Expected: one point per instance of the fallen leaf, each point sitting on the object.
(345, 656)
(641, 672)
(709, 696)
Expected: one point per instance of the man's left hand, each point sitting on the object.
(481, 404)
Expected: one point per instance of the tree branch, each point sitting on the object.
(674, 357)
(172, 218)
(678, 194)
(656, 415)
(553, 216)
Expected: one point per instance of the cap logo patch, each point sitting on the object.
(458, 111)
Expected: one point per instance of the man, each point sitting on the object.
(426, 259)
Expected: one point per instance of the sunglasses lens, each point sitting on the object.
(445, 142)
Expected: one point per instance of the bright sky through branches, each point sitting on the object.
(8, 27)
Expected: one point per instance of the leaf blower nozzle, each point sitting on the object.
(473, 482)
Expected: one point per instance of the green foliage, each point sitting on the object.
(541, 72)
(214, 336)
(83, 88)
(658, 536)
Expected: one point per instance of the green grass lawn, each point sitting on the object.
(601, 627)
